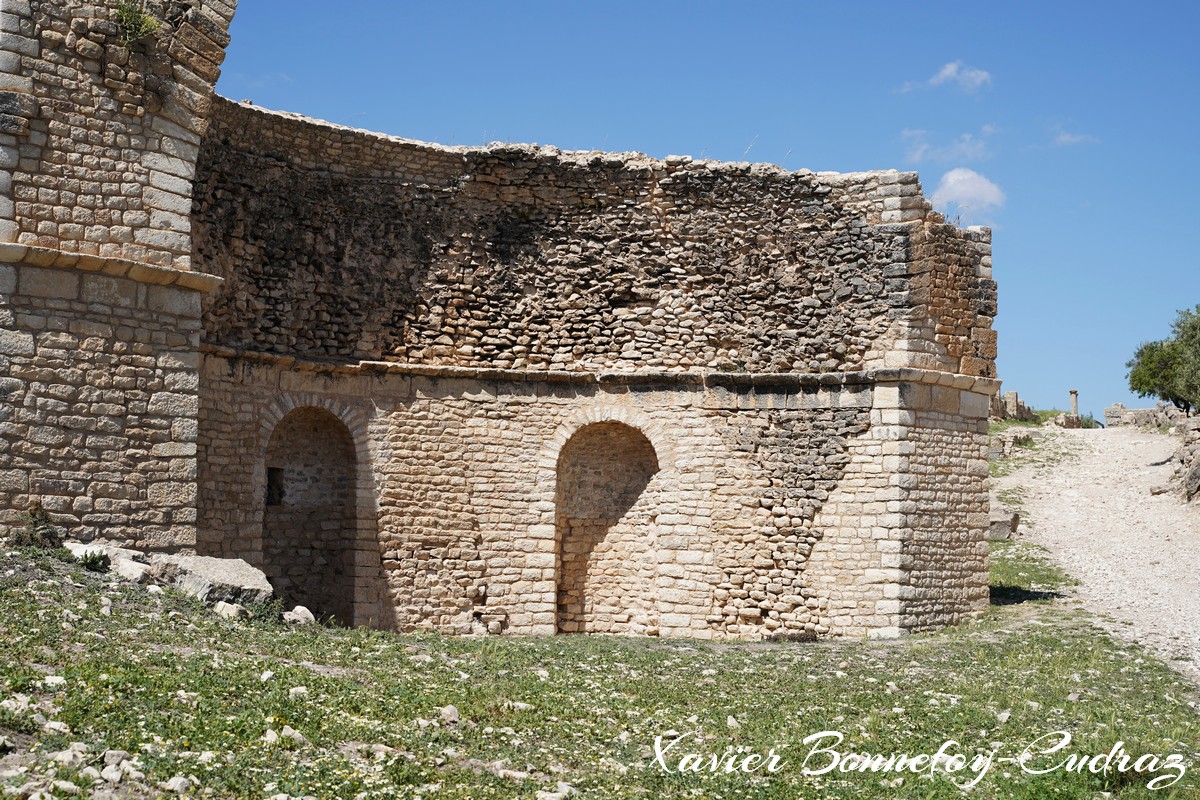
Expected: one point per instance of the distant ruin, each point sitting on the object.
(1008, 406)
(500, 389)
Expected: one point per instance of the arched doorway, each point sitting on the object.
(309, 525)
(605, 512)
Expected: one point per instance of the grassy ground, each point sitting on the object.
(997, 425)
(1040, 454)
(192, 695)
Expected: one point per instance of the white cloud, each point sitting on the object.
(1062, 137)
(967, 194)
(956, 72)
(967, 147)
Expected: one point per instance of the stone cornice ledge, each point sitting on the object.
(764, 380)
(30, 255)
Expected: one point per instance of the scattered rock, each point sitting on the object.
(296, 736)
(732, 723)
(561, 792)
(179, 785)
(297, 691)
(112, 773)
(115, 757)
(1002, 524)
(1159, 489)
(212, 579)
(132, 571)
(230, 610)
(53, 681)
(128, 564)
(450, 715)
(73, 756)
(266, 676)
(1191, 481)
(299, 616)
(516, 705)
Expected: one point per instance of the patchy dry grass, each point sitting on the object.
(1039, 455)
(189, 695)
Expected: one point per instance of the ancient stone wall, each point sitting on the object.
(498, 389)
(98, 401)
(944, 506)
(99, 317)
(716, 495)
(1187, 459)
(99, 136)
(336, 244)
(1162, 414)
(1010, 406)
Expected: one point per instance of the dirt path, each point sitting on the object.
(1137, 555)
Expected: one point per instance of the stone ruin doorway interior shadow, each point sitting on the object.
(605, 510)
(309, 524)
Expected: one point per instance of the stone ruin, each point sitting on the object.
(502, 389)
(1175, 421)
(1008, 406)
(1162, 415)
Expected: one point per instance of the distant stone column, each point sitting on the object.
(1074, 402)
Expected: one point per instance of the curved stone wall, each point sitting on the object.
(808, 356)
(339, 244)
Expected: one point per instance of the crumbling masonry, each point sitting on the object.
(504, 389)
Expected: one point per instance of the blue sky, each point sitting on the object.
(1072, 129)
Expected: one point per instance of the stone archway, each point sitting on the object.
(605, 510)
(309, 525)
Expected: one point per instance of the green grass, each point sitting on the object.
(1043, 416)
(999, 425)
(1012, 497)
(1023, 566)
(166, 679)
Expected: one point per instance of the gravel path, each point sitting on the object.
(1137, 555)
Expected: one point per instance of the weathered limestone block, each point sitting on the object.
(1002, 524)
(211, 579)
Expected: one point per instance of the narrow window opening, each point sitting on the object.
(274, 486)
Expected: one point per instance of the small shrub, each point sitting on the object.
(37, 530)
(94, 561)
(134, 21)
(269, 612)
